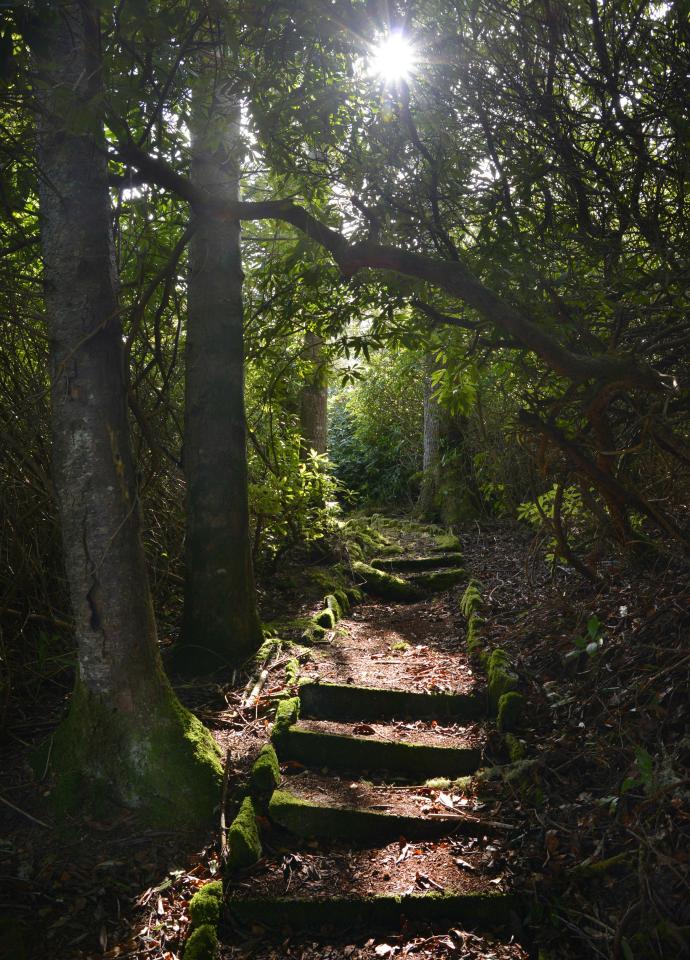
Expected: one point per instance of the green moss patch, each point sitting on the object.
(326, 618)
(434, 580)
(264, 776)
(474, 640)
(287, 713)
(477, 911)
(502, 678)
(306, 819)
(386, 585)
(166, 765)
(445, 542)
(243, 837)
(335, 701)
(202, 944)
(333, 604)
(471, 599)
(510, 708)
(205, 906)
(417, 563)
(416, 761)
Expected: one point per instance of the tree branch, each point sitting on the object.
(452, 276)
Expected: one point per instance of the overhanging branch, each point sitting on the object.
(451, 276)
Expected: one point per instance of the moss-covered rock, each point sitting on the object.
(433, 580)
(332, 604)
(343, 601)
(471, 599)
(354, 595)
(287, 713)
(326, 619)
(514, 747)
(386, 585)
(510, 707)
(313, 633)
(264, 776)
(206, 904)
(244, 844)
(502, 677)
(401, 564)
(445, 542)
(474, 640)
(202, 943)
(292, 672)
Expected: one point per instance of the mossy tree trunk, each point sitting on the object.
(126, 737)
(221, 625)
(314, 397)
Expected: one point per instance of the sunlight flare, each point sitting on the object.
(393, 58)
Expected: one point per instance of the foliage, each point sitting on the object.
(375, 437)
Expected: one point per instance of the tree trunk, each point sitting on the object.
(221, 625)
(314, 398)
(427, 505)
(126, 737)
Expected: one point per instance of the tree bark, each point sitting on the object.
(313, 414)
(221, 626)
(126, 737)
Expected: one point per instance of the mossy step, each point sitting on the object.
(498, 912)
(343, 752)
(401, 564)
(338, 701)
(434, 580)
(332, 817)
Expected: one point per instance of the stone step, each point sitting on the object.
(374, 887)
(437, 580)
(313, 743)
(315, 804)
(337, 701)
(402, 564)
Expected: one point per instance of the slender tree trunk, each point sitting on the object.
(126, 737)
(221, 625)
(314, 398)
(431, 464)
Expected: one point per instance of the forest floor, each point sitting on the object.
(601, 839)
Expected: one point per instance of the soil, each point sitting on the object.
(424, 732)
(414, 647)
(320, 871)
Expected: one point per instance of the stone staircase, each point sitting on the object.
(368, 824)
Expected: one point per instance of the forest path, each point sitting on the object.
(376, 826)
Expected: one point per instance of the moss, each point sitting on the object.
(446, 541)
(306, 819)
(202, 944)
(417, 563)
(471, 599)
(326, 619)
(205, 905)
(474, 638)
(502, 678)
(401, 645)
(314, 633)
(166, 765)
(439, 579)
(601, 868)
(243, 837)
(515, 748)
(486, 911)
(354, 595)
(287, 713)
(338, 701)
(292, 672)
(333, 605)
(314, 748)
(343, 601)
(264, 776)
(266, 650)
(510, 707)
(386, 585)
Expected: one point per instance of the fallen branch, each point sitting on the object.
(29, 816)
(223, 804)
